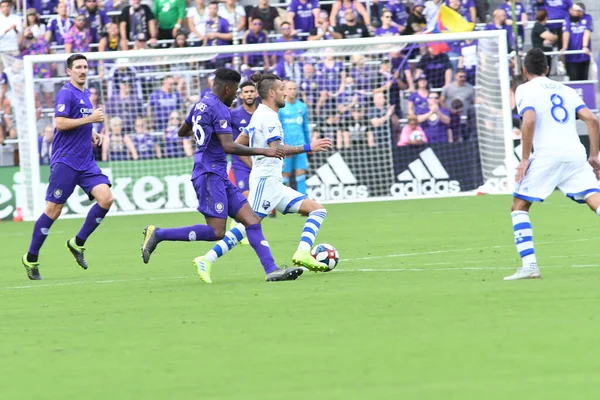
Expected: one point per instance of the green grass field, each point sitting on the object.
(417, 309)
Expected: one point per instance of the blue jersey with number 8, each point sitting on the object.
(207, 119)
(555, 106)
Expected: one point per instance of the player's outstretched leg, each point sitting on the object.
(94, 217)
(41, 229)
(524, 242)
(261, 247)
(232, 237)
(316, 215)
(153, 236)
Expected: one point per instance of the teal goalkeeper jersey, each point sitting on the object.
(294, 120)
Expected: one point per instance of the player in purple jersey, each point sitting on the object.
(240, 118)
(209, 122)
(72, 164)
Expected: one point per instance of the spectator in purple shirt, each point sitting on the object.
(44, 7)
(303, 16)
(340, 8)
(255, 34)
(78, 38)
(116, 145)
(520, 18)
(217, 28)
(386, 28)
(499, 23)
(467, 9)
(29, 44)
(289, 68)
(323, 30)
(124, 104)
(59, 25)
(97, 19)
(436, 66)
(330, 77)
(587, 17)
(144, 143)
(399, 11)
(174, 146)
(418, 99)
(309, 86)
(434, 120)
(286, 36)
(576, 36)
(162, 102)
(45, 144)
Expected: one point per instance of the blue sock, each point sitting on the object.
(301, 183)
(93, 219)
(261, 247)
(41, 229)
(286, 181)
(232, 237)
(523, 236)
(311, 228)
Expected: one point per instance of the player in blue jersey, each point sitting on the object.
(72, 164)
(294, 119)
(549, 111)
(209, 122)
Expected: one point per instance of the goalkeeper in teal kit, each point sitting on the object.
(294, 119)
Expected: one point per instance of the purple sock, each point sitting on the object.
(187, 233)
(93, 219)
(40, 233)
(261, 247)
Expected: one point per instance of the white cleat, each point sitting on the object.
(530, 271)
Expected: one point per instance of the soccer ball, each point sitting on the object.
(416, 136)
(327, 254)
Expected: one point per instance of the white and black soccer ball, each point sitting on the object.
(416, 136)
(327, 254)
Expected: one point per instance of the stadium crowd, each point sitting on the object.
(418, 95)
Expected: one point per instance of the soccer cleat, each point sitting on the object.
(150, 242)
(530, 271)
(203, 267)
(244, 241)
(77, 252)
(32, 268)
(303, 258)
(284, 273)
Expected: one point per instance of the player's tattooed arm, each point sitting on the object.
(316, 145)
(230, 147)
(244, 140)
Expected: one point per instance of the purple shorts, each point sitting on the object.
(241, 173)
(217, 196)
(64, 179)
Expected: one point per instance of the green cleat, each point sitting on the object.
(32, 268)
(303, 258)
(203, 267)
(77, 252)
(150, 242)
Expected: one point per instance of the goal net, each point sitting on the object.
(401, 126)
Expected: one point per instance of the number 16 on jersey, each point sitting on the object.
(198, 131)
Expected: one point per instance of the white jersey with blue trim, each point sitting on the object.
(264, 128)
(556, 107)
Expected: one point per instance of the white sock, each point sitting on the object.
(311, 228)
(598, 210)
(523, 236)
(232, 237)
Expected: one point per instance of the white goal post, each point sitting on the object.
(377, 171)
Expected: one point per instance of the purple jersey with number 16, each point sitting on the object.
(217, 197)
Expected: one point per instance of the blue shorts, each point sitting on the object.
(296, 162)
(217, 196)
(64, 179)
(241, 173)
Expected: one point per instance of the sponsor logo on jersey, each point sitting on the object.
(60, 108)
(57, 193)
(243, 121)
(219, 207)
(335, 181)
(223, 123)
(266, 204)
(271, 129)
(81, 101)
(425, 176)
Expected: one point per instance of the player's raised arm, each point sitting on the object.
(318, 145)
(230, 147)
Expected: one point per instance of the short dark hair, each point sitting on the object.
(216, 3)
(264, 82)
(247, 83)
(284, 23)
(541, 15)
(227, 75)
(461, 71)
(456, 104)
(535, 62)
(74, 58)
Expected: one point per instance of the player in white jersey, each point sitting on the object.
(549, 111)
(267, 191)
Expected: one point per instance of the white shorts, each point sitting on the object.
(576, 179)
(267, 194)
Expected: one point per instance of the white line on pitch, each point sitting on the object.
(99, 282)
(454, 269)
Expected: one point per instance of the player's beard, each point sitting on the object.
(279, 103)
(250, 102)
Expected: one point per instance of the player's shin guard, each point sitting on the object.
(40, 233)
(93, 219)
(311, 228)
(301, 183)
(261, 247)
(187, 233)
(523, 236)
(232, 237)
